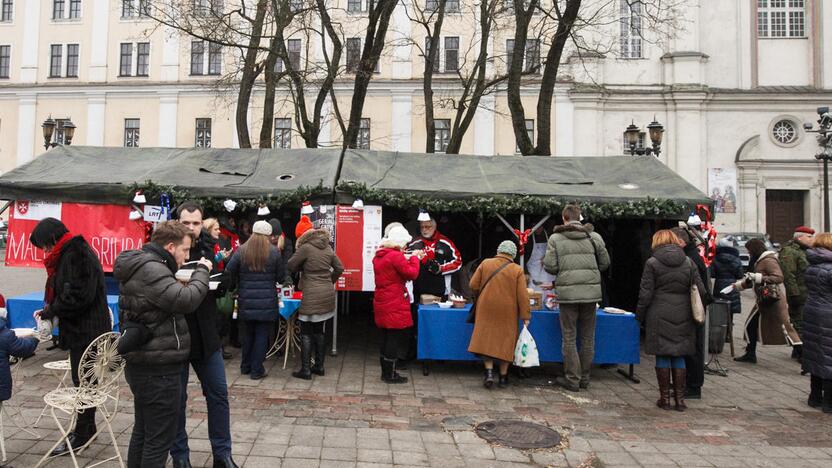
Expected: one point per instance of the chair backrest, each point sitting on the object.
(101, 364)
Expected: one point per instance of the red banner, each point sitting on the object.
(357, 236)
(107, 228)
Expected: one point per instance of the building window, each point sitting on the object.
(143, 59)
(58, 9)
(441, 134)
(55, 55)
(781, 18)
(364, 134)
(529, 132)
(451, 54)
(126, 60)
(203, 133)
(59, 135)
(5, 59)
(630, 22)
(207, 7)
(214, 58)
(7, 11)
(131, 133)
(74, 9)
(293, 49)
(135, 8)
(354, 6)
(72, 60)
(353, 54)
(784, 132)
(283, 133)
(531, 58)
(197, 57)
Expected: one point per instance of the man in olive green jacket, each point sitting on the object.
(577, 255)
(793, 262)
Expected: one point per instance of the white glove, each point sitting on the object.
(756, 278)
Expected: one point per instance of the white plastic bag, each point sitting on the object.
(525, 353)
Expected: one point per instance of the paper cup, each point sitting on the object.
(184, 275)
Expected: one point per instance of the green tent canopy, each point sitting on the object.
(614, 186)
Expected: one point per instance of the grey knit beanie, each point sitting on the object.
(507, 247)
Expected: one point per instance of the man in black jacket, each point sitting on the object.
(155, 339)
(76, 295)
(206, 359)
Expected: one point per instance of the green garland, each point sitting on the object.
(153, 191)
(649, 208)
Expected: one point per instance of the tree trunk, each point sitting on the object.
(380, 12)
(550, 74)
(515, 75)
(431, 58)
(249, 75)
(268, 100)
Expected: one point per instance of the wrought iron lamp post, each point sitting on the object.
(50, 125)
(655, 130)
(824, 132)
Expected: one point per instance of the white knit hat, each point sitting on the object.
(262, 227)
(398, 236)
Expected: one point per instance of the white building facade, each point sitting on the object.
(732, 89)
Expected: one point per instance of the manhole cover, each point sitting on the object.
(518, 434)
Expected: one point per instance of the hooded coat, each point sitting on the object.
(817, 315)
(151, 295)
(80, 301)
(258, 299)
(774, 322)
(664, 305)
(500, 305)
(391, 301)
(794, 263)
(727, 269)
(11, 345)
(577, 255)
(319, 268)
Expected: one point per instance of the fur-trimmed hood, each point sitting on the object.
(574, 230)
(318, 238)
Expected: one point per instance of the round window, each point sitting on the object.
(784, 132)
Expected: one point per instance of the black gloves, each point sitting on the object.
(434, 268)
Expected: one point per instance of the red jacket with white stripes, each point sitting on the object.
(439, 251)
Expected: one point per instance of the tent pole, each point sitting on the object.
(335, 329)
(522, 229)
(5, 206)
(479, 247)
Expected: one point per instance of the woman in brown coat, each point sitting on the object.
(499, 306)
(767, 322)
(319, 268)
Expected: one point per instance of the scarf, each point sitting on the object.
(51, 264)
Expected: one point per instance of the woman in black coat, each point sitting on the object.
(664, 307)
(817, 323)
(727, 269)
(257, 268)
(76, 296)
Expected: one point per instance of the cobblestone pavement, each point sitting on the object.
(757, 416)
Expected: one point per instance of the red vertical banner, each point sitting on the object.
(107, 228)
(349, 233)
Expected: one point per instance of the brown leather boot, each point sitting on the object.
(679, 377)
(663, 377)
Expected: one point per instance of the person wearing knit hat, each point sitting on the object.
(794, 263)
(11, 345)
(257, 266)
(391, 300)
(502, 301)
(278, 239)
(303, 225)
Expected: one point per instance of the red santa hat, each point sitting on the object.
(804, 230)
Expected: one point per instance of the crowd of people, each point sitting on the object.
(173, 289)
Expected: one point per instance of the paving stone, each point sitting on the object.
(510, 455)
(300, 451)
(410, 458)
(375, 456)
(480, 451)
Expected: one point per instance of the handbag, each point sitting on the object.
(696, 305)
(472, 314)
(769, 294)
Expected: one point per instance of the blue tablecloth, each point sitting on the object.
(444, 335)
(21, 308)
(288, 307)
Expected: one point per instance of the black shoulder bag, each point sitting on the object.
(472, 314)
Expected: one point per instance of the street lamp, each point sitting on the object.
(633, 133)
(824, 132)
(65, 126)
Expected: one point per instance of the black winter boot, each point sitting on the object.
(388, 372)
(488, 379)
(827, 396)
(319, 340)
(305, 371)
(815, 392)
(503, 383)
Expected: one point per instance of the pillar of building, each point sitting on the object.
(168, 103)
(27, 127)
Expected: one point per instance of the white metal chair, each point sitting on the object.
(14, 414)
(60, 369)
(98, 373)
